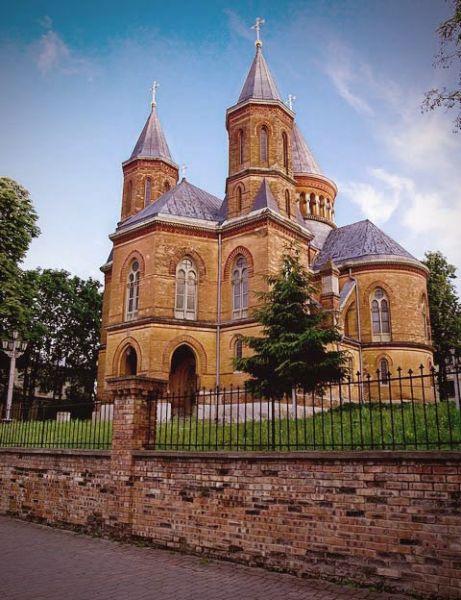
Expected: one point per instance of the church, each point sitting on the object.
(183, 276)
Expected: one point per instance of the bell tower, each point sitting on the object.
(150, 171)
(260, 130)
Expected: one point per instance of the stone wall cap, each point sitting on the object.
(316, 455)
(58, 451)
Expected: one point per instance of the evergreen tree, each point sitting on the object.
(292, 352)
(444, 306)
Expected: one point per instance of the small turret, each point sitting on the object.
(150, 171)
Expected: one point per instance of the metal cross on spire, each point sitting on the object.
(183, 171)
(257, 27)
(290, 101)
(154, 89)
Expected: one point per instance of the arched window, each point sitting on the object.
(285, 151)
(129, 197)
(303, 206)
(238, 348)
(313, 204)
(287, 203)
(240, 288)
(166, 186)
(239, 200)
(240, 146)
(186, 290)
(263, 144)
(129, 364)
(322, 206)
(384, 370)
(425, 317)
(132, 300)
(380, 318)
(147, 191)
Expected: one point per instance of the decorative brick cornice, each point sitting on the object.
(133, 386)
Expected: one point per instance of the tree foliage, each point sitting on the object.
(450, 52)
(64, 335)
(444, 305)
(18, 226)
(292, 351)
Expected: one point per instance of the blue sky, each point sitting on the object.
(75, 96)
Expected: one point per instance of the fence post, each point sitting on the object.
(130, 429)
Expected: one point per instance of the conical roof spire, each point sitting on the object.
(259, 84)
(152, 142)
(304, 162)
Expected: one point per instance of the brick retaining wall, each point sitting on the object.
(388, 519)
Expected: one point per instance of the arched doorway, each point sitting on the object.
(183, 380)
(129, 363)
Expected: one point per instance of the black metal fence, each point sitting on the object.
(411, 411)
(45, 424)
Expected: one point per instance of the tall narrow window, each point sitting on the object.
(285, 151)
(384, 370)
(287, 203)
(129, 197)
(303, 206)
(240, 288)
(322, 206)
(263, 144)
(313, 204)
(186, 290)
(166, 186)
(238, 349)
(147, 191)
(132, 300)
(240, 143)
(239, 200)
(380, 316)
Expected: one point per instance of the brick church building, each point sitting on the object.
(182, 279)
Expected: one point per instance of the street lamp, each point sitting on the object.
(14, 348)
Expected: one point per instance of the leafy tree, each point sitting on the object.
(444, 305)
(450, 52)
(292, 351)
(64, 334)
(17, 229)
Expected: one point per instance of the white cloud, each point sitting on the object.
(345, 74)
(53, 54)
(238, 25)
(378, 200)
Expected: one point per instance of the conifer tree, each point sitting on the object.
(292, 351)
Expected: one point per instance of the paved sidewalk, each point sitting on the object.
(41, 563)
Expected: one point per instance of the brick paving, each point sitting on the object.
(41, 563)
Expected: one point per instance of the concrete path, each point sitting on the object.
(41, 563)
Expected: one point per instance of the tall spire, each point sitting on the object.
(259, 84)
(152, 142)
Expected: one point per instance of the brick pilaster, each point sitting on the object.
(130, 430)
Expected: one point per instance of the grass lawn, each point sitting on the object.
(371, 426)
(77, 433)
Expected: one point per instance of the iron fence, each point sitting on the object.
(45, 424)
(412, 411)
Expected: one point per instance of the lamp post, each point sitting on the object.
(14, 348)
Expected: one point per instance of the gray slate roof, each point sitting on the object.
(152, 142)
(304, 162)
(361, 240)
(259, 84)
(265, 198)
(184, 200)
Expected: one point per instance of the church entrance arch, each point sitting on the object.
(183, 380)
